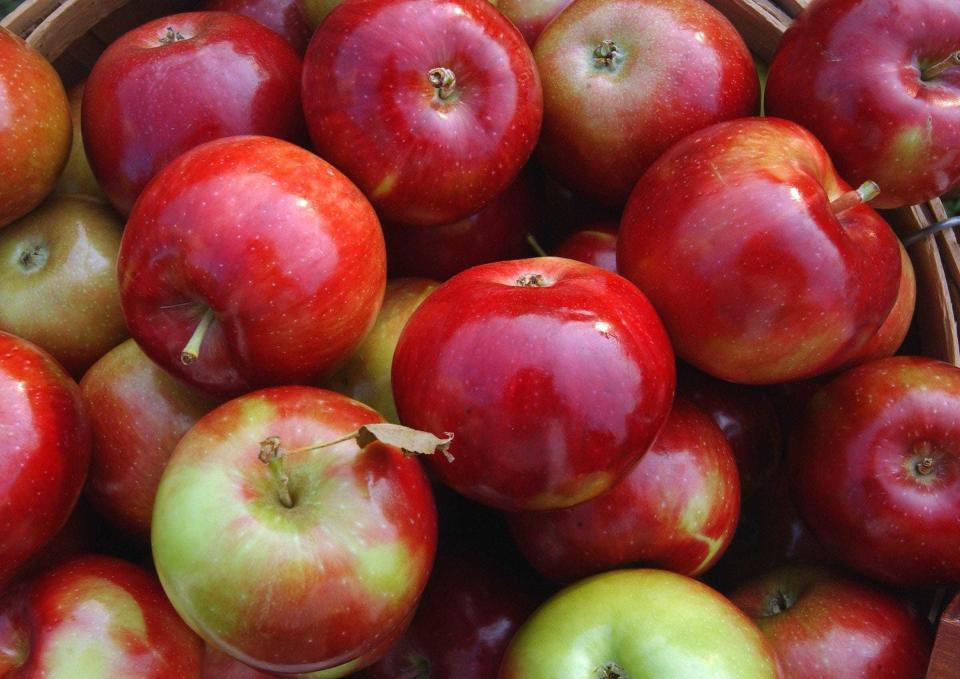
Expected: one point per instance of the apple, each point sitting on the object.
(875, 465)
(58, 280)
(878, 82)
(218, 665)
(531, 16)
(307, 562)
(282, 16)
(315, 11)
(625, 79)
(596, 244)
(45, 452)
(554, 375)
(79, 535)
(763, 264)
(433, 113)
(138, 414)
(366, 375)
(641, 624)
(824, 624)
(77, 177)
(280, 278)
(177, 82)
(93, 617)
(35, 127)
(676, 509)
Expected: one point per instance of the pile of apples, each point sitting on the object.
(491, 465)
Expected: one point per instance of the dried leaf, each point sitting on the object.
(410, 441)
(269, 449)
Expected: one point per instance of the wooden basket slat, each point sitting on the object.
(760, 22)
(945, 662)
(28, 15)
(68, 22)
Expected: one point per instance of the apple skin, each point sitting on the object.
(421, 159)
(281, 16)
(300, 589)
(849, 71)
(138, 413)
(46, 450)
(62, 257)
(35, 131)
(682, 67)
(531, 16)
(856, 466)
(596, 244)
(732, 237)
(228, 76)
(824, 624)
(554, 375)
(293, 290)
(94, 617)
(77, 176)
(315, 11)
(366, 375)
(649, 624)
(676, 509)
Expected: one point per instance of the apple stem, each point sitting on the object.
(272, 455)
(606, 54)
(780, 603)
(925, 465)
(535, 246)
(941, 67)
(862, 194)
(191, 352)
(171, 36)
(444, 80)
(325, 444)
(532, 280)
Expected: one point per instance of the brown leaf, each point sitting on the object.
(410, 441)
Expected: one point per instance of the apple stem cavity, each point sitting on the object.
(171, 36)
(191, 352)
(535, 245)
(941, 67)
(444, 81)
(272, 456)
(606, 55)
(779, 603)
(532, 280)
(862, 194)
(925, 465)
(611, 671)
(33, 258)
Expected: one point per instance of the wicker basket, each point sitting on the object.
(73, 33)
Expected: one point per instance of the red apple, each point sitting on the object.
(92, 617)
(138, 413)
(824, 624)
(281, 16)
(625, 79)
(219, 665)
(554, 375)
(249, 261)
(308, 562)
(676, 509)
(878, 82)
(596, 244)
(875, 465)
(764, 266)
(45, 450)
(531, 16)
(35, 127)
(77, 176)
(431, 106)
(177, 82)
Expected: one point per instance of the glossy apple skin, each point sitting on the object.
(372, 112)
(552, 392)
(497, 232)
(294, 289)
(35, 129)
(46, 450)
(138, 413)
(95, 617)
(229, 76)
(281, 16)
(824, 624)
(651, 624)
(77, 177)
(676, 509)
(62, 258)
(731, 236)
(597, 245)
(293, 590)
(854, 465)
(531, 16)
(683, 66)
(366, 375)
(849, 71)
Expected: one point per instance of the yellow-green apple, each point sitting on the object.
(94, 617)
(435, 110)
(825, 624)
(249, 262)
(282, 16)
(63, 257)
(554, 375)
(639, 624)
(221, 74)
(45, 451)
(596, 244)
(875, 466)
(625, 79)
(531, 16)
(763, 264)
(878, 82)
(77, 177)
(35, 127)
(138, 413)
(289, 557)
(366, 375)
